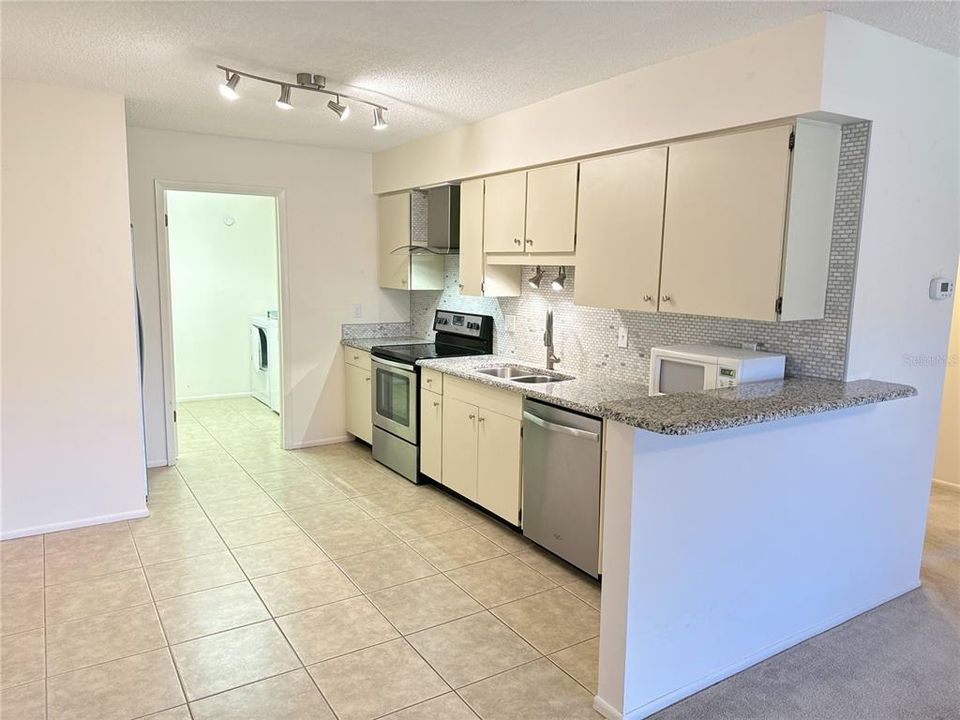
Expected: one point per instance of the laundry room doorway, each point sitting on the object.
(221, 266)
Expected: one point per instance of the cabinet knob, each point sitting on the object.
(403, 282)
(367, 379)
(356, 357)
(647, 298)
(471, 416)
(666, 298)
(481, 419)
(429, 381)
(516, 241)
(461, 286)
(529, 241)
(436, 404)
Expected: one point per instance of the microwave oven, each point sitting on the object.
(693, 368)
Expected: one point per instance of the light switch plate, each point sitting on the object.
(357, 311)
(510, 323)
(622, 337)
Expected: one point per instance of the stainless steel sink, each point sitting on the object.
(524, 375)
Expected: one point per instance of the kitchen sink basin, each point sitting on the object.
(522, 374)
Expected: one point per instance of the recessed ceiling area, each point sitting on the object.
(435, 65)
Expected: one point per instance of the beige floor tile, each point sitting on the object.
(471, 649)
(459, 509)
(83, 598)
(457, 548)
(291, 696)
(283, 478)
(90, 557)
(303, 493)
(170, 519)
(424, 603)
(386, 567)
(177, 545)
(510, 540)
(372, 682)
(98, 639)
(497, 581)
(127, 688)
(551, 566)
(392, 502)
(423, 522)
(169, 493)
(304, 588)
(92, 537)
(24, 702)
(210, 611)
(336, 629)
(535, 691)
(353, 539)
(21, 658)
(178, 713)
(20, 571)
(250, 531)
(581, 662)
(551, 620)
(355, 484)
(276, 556)
(328, 515)
(447, 707)
(245, 506)
(202, 572)
(221, 662)
(224, 488)
(21, 549)
(21, 612)
(587, 589)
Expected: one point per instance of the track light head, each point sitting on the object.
(229, 88)
(558, 281)
(283, 102)
(378, 122)
(342, 111)
(535, 279)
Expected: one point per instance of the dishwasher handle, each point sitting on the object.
(554, 427)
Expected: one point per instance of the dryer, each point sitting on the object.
(265, 361)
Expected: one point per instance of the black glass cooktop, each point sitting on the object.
(421, 351)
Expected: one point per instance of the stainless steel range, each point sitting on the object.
(396, 385)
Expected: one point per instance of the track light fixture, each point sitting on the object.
(535, 279)
(342, 111)
(310, 82)
(229, 88)
(561, 278)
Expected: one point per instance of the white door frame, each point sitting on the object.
(166, 315)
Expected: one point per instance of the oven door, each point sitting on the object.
(395, 398)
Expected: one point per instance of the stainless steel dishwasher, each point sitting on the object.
(561, 483)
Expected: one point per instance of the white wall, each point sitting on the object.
(330, 226)
(72, 432)
(221, 273)
(947, 464)
(766, 76)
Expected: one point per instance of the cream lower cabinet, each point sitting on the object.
(359, 397)
(431, 434)
(481, 457)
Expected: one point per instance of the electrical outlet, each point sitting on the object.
(357, 311)
(622, 337)
(510, 323)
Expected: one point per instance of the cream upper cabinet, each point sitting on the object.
(620, 230)
(359, 409)
(431, 434)
(459, 462)
(400, 270)
(504, 212)
(475, 277)
(394, 228)
(498, 465)
(727, 250)
(551, 209)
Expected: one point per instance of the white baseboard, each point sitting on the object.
(73, 524)
(224, 396)
(321, 441)
(946, 484)
(723, 673)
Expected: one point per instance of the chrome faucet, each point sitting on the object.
(548, 341)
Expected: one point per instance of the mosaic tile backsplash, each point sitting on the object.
(586, 338)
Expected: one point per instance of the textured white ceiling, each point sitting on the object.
(436, 65)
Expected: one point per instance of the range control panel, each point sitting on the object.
(454, 323)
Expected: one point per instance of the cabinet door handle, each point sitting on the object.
(481, 419)
(529, 241)
(356, 357)
(436, 404)
(666, 298)
(472, 416)
(461, 286)
(516, 241)
(647, 298)
(367, 379)
(428, 380)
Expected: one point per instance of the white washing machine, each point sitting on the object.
(265, 361)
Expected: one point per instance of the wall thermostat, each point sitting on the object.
(941, 288)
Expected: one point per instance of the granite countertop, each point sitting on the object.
(685, 413)
(368, 343)
(583, 394)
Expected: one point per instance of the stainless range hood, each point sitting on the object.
(435, 221)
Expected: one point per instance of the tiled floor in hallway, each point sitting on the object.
(308, 584)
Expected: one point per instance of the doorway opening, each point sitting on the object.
(220, 257)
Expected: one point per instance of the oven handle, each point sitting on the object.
(394, 364)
